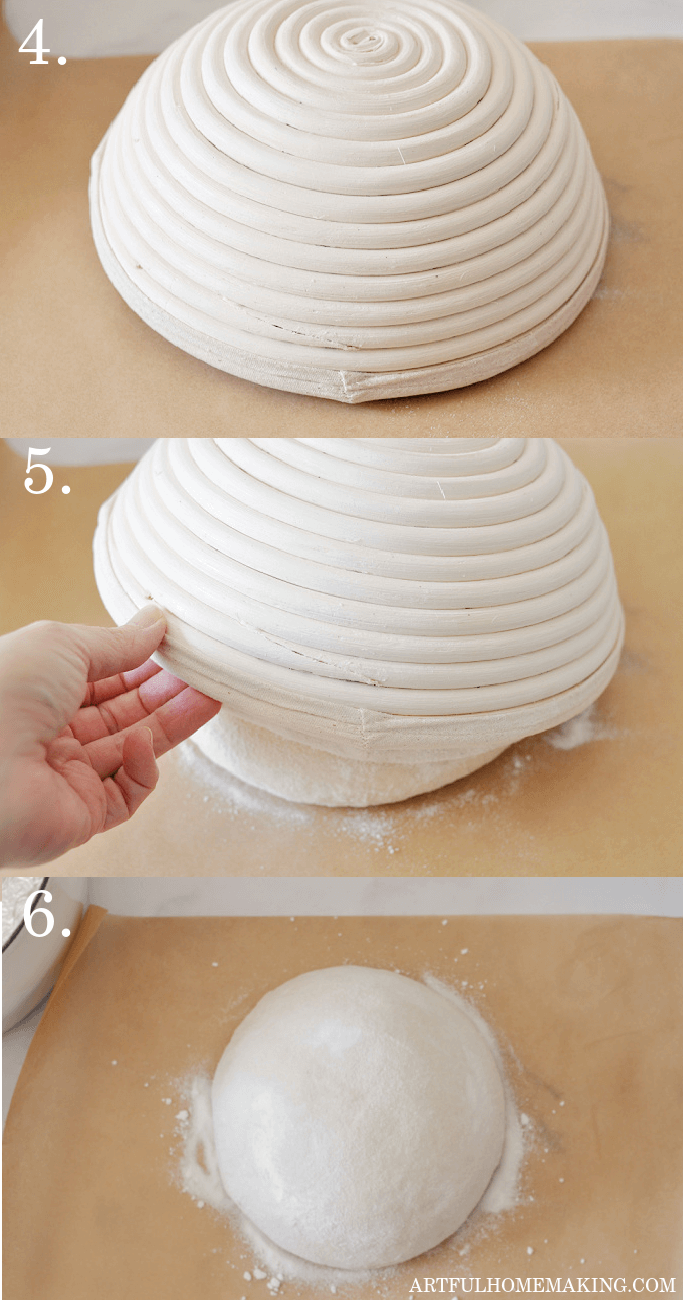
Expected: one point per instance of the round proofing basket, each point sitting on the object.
(350, 201)
(394, 607)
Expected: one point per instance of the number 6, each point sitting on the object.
(29, 915)
(38, 451)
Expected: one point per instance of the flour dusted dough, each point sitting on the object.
(353, 200)
(359, 1117)
(304, 774)
(378, 617)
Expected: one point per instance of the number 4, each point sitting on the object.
(39, 49)
(49, 476)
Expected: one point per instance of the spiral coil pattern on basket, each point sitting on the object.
(352, 200)
(431, 583)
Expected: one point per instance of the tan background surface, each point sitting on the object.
(78, 362)
(610, 807)
(586, 1010)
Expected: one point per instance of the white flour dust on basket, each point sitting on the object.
(195, 1171)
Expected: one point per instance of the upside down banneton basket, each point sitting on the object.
(355, 201)
(378, 617)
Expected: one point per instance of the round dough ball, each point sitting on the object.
(358, 1117)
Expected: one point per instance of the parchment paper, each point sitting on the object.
(587, 1011)
(76, 361)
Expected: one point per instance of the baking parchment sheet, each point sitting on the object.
(77, 361)
(588, 1012)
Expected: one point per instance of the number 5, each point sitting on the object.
(38, 451)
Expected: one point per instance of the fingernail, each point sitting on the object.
(147, 616)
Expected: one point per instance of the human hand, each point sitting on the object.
(83, 712)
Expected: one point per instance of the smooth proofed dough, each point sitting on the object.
(409, 607)
(358, 1117)
(304, 774)
(357, 201)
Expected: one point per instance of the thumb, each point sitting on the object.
(111, 650)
